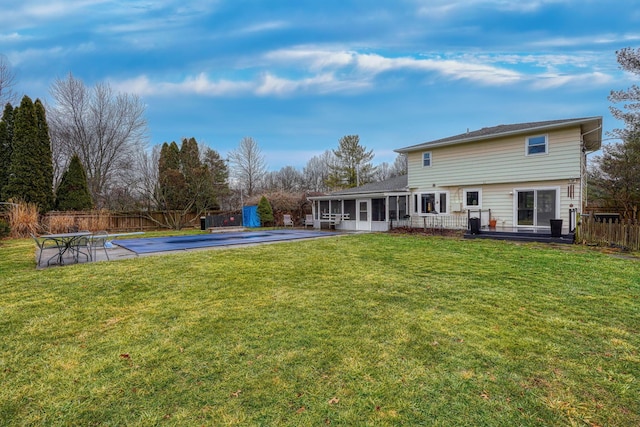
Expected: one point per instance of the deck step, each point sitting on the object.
(521, 237)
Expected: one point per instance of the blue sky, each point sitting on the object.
(298, 75)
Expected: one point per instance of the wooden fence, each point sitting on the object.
(113, 221)
(624, 234)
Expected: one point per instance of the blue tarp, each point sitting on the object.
(250, 216)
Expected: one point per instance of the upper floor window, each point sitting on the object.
(537, 145)
(426, 159)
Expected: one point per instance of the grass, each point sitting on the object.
(371, 329)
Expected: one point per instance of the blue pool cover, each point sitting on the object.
(176, 243)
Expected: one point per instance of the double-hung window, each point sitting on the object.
(537, 145)
(472, 198)
(426, 159)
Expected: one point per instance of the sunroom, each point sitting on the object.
(371, 207)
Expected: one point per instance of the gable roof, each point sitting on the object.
(591, 130)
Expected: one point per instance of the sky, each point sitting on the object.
(296, 76)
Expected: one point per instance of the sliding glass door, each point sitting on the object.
(536, 207)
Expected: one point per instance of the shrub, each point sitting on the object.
(4, 228)
(60, 223)
(73, 191)
(96, 221)
(282, 202)
(265, 212)
(23, 219)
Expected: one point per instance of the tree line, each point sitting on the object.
(89, 149)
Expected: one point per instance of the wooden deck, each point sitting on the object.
(521, 235)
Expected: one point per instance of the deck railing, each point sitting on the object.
(436, 222)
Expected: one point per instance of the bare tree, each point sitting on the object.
(400, 165)
(7, 82)
(147, 183)
(316, 172)
(248, 166)
(286, 179)
(383, 172)
(106, 130)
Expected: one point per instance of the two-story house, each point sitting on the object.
(516, 176)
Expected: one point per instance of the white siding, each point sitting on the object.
(497, 161)
(501, 200)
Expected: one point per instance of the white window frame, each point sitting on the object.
(436, 196)
(430, 159)
(464, 198)
(527, 146)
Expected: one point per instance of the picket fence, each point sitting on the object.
(619, 233)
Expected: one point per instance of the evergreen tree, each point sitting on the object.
(30, 178)
(219, 175)
(265, 211)
(73, 191)
(172, 185)
(6, 138)
(353, 166)
(44, 155)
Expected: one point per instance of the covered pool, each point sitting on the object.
(176, 243)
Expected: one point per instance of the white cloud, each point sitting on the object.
(316, 71)
(263, 27)
(321, 83)
(368, 65)
(550, 81)
(198, 85)
(30, 12)
(440, 8)
(12, 37)
(55, 52)
(312, 58)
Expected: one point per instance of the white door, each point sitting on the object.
(363, 212)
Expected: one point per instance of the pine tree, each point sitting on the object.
(265, 211)
(6, 138)
(73, 191)
(30, 179)
(353, 164)
(45, 156)
(172, 185)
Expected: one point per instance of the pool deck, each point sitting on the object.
(118, 253)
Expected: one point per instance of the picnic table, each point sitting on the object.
(65, 243)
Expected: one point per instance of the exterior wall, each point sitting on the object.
(498, 167)
(501, 200)
(497, 161)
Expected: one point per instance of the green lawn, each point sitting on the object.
(356, 330)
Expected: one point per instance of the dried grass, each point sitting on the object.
(98, 220)
(60, 223)
(23, 219)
